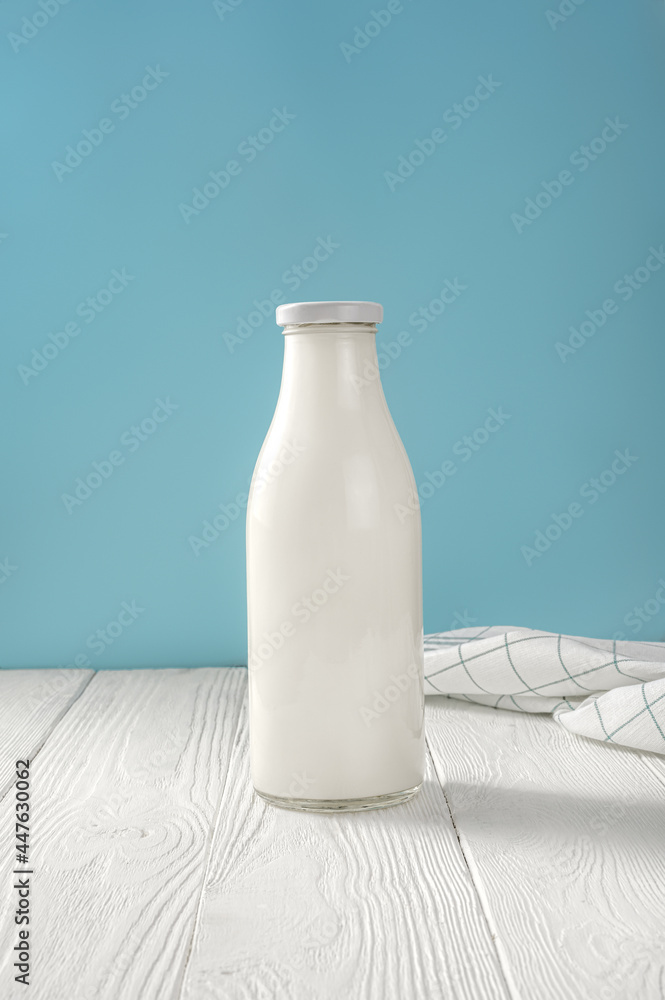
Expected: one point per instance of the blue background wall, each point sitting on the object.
(330, 173)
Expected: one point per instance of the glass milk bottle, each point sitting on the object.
(334, 578)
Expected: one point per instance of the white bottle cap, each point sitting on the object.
(293, 313)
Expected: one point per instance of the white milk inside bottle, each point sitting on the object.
(334, 578)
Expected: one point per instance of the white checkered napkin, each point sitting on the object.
(634, 716)
(612, 691)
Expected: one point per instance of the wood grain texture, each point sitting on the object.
(124, 796)
(362, 906)
(159, 874)
(565, 838)
(31, 704)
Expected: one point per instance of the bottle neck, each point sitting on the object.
(335, 364)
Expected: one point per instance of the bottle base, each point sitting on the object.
(341, 805)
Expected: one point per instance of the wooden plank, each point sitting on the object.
(32, 702)
(564, 837)
(124, 796)
(363, 905)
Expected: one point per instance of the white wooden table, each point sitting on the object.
(531, 865)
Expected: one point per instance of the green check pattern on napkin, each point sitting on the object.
(610, 691)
